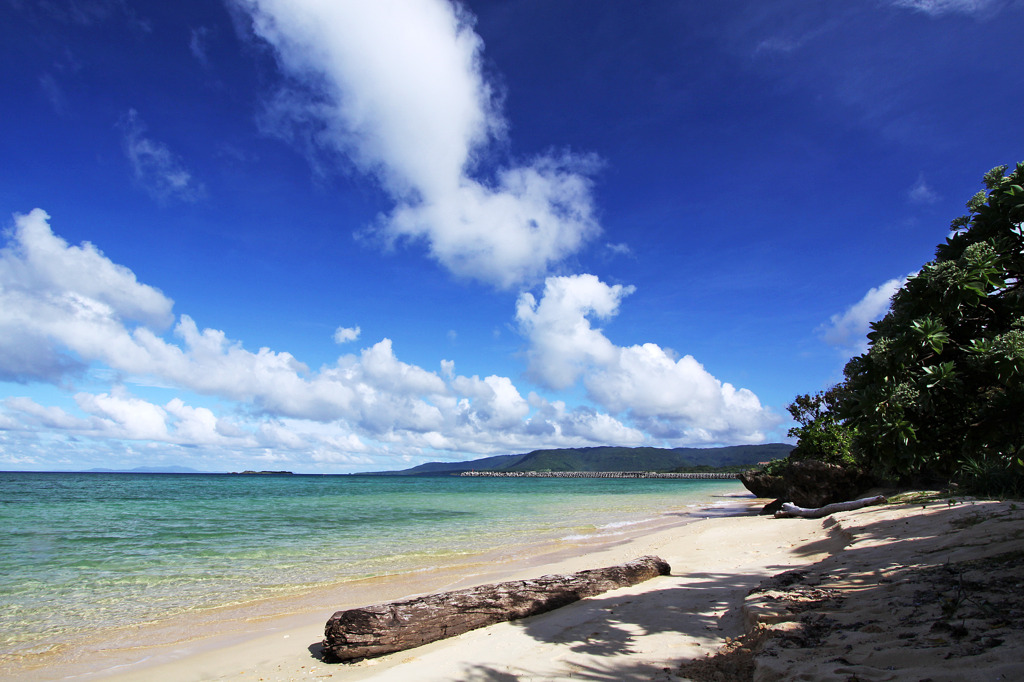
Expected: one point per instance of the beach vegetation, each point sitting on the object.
(940, 390)
(939, 393)
(820, 433)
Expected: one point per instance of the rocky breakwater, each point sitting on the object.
(601, 474)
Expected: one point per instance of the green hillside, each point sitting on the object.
(496, 463)
(609, 459)
(599, 459)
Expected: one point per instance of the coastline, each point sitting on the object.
(852, 568)
(135, 650)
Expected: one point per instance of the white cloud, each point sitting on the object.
(346, 334)
(39, 261)
(50, 417)
(943, 7)
(126, 416)
(64, 308)
(397, 87)
(601, 428)
(651, 384)
(496, 403)
(563, 344)
(678, 398)
(51, 291)
(157, 170)
(848, 330)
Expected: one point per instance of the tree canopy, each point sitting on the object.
(941, 385)
(820, 434)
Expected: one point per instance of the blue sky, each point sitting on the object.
(350, 236)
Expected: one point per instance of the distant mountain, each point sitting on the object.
(148, 470)
(607, 459)
(496, 463)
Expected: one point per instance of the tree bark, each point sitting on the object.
(789, 509)
(395, 626)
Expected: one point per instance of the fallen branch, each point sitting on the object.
(789, 509)
(395, 626)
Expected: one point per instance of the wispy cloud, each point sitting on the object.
(938, 8)
(847, 331)
(197, 42)
(157, 170)
(922, 193)
(620, 249)
(53, 93)
(397, 87)
(777, 45)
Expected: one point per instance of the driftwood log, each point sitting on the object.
(395, 626)
(789, 509)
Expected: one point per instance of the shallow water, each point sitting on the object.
(87, 552)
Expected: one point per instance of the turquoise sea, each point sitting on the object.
(88, 552)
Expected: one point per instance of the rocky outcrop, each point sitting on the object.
(763, 484)
(396, 626)
(808, 483)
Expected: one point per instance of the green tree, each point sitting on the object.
(941, 383)
(820, 434)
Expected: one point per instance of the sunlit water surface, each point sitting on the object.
(82, 552)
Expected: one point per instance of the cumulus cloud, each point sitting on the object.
(496, 404)
(676, 398)
(396, 86)
(157, 170)
(50, 417)
(50, 290)
(563, 343)
(65, 309)
(346, 334)
(126, 415)
(848, 331)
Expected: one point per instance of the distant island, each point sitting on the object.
(608, 458)
(147, 470)
(262, 473)
(184, 470)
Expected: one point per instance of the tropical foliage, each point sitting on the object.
(821, 435)
(940, 390)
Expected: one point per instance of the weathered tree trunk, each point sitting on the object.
(788, 509)
(394, 626)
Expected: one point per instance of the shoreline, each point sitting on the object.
(129, 651)
(826, 598)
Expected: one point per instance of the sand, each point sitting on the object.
(921, 589)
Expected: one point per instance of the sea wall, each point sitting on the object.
(598, 474)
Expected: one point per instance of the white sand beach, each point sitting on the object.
(911, 590)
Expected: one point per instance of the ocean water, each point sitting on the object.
(88, 552)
